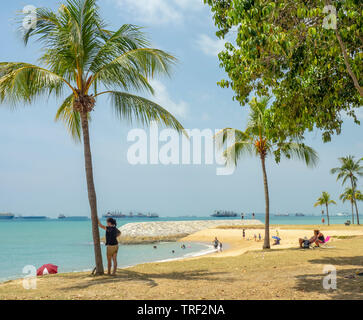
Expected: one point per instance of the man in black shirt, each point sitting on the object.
(111, 243)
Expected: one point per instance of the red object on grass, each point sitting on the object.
(47, 269)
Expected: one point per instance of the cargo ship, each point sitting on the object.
(119, 215)
(300, 215)
(224, 214)
(72, 218)
(32, 218)
(282, 215)
(6, 216)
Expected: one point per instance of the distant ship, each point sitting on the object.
(73, 218)
(224, 214)
(282, 215)
(300, 215)
(6, 216)
(342, 214)
(32, 218)
(119, 215)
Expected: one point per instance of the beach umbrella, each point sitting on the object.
(47, 269)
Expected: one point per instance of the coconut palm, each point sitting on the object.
(349, 171)
(82, 56)
(348, 196)
(325, 200)
(258, 140)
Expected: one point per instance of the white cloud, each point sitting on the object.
(162, 97)
(159, 11)
(210, 46)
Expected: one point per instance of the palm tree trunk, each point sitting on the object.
(91, 194)
(266, 244)
(352, 211)
(356, 210)
(327, 214)
(354, 199)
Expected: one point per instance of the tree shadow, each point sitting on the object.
(149, 278)
(349, 284)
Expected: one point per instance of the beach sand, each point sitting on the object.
(288, 234)
(243, 272)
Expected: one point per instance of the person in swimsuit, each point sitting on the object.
(318, 239)
(111, 243)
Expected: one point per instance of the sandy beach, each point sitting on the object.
(243, 271)
(288, 234)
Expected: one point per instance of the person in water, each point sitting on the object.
(111, 243)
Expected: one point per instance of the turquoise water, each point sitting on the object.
(68, 244)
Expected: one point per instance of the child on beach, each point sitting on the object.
(111, 243)
(220, 246)
(255, 237)
(259, 237)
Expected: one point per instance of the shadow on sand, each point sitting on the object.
(150, 278)
(349, 285)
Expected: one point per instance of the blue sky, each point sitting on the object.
(42, 169)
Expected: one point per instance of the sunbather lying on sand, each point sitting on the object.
(318, 238)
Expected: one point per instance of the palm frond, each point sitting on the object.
(23, 82)
(302, 152)
(131, 70)
(129, 107)
(71, 118)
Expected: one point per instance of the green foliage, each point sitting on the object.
(258, 139)
(81, 55)
(348, 195)
(324, 199)
(282, 48)
(349, 171)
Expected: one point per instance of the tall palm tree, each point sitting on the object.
(351, 196)
(350, 170)
(324, 199)
(81, 55)
(258, 140)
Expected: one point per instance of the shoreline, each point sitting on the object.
(204, 252)
(242, 271)
(233, 245)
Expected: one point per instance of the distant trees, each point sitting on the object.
(349, 172)
(325, 199)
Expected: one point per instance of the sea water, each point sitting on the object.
(68, 244)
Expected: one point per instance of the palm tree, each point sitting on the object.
(350, 170)
(348, 196)
(81, 55)
(325, 200)
(258, 140)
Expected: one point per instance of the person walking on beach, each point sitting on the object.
(259, 237)
(244, 234)
(111, 243)
(216, 243)
(220, 246)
